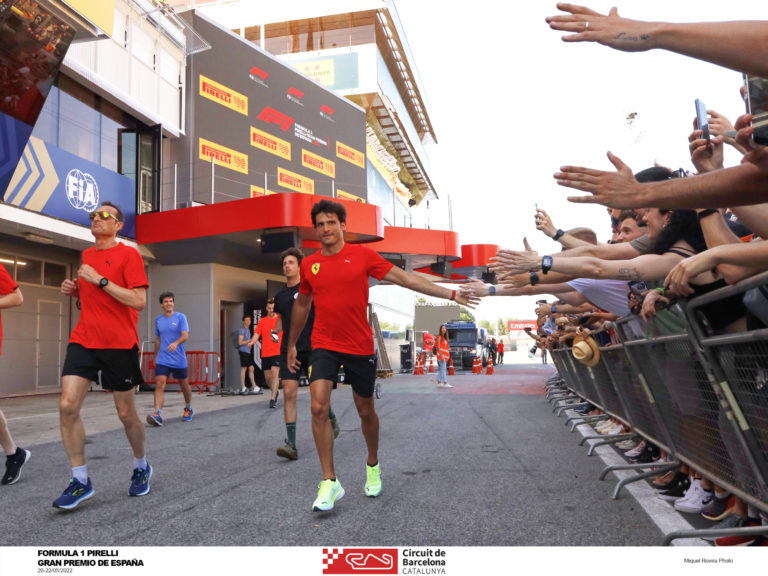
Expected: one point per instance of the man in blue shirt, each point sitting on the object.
(171, 332)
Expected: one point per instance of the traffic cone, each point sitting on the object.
(417, 368)
(477, 367)
(431, 364)
(489, 367)
(451, 371)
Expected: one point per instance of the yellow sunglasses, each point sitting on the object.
(104, 215)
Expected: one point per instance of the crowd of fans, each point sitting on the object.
(674, 236)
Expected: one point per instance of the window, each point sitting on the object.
(29, 270)
(54, 274)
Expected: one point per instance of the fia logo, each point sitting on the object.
(82, 190)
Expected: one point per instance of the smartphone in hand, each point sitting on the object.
(756, 97)
(703, 122)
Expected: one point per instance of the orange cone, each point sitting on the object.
(477, 367)
(431, 364)
(417, 368)
(451, 371)
(489, 367)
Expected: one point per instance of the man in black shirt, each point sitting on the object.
(284, 299)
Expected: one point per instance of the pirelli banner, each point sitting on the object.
(258, 126)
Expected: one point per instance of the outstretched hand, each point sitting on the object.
(474, 287)
(467, 300)
(587, 25)
(613, 189)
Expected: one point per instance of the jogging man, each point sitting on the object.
(284, 299)
(15, 456)
(336, 280)
(111, 288)
(270, 350)
(171, 332)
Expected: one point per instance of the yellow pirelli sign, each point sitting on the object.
(295, 182)
(257, 191)
(223, 156)
(222, 95)
(318, 163)
(350, 154)
(271, 144)
(348, 196)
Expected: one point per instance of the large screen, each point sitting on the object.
(266, 127)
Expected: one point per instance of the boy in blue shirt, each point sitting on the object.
(171, 332)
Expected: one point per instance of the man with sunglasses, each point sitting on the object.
(111, 289)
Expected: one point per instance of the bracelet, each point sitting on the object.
(453, 296)
(534, 278)
(707, 212)
(661, 289)
(553, 308)
(558, 234)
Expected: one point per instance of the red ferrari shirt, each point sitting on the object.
(339, 288)
(7, 285)
(105, 322)
(264, 328)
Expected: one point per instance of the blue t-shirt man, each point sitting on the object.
(169, 329)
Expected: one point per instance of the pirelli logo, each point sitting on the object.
(318, 163)
(271, 144)
(257, 191)
(295, 182)
(350, 154)
(222, 95)
(223, 156)
(348, 196)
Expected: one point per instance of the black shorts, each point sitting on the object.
(246, 359)
(270, 362)
(178, 373)
(359, 371)
(303, 358)
(120, 370)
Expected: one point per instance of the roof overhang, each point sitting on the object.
(232, 233)
(416, 248)
(473, 263)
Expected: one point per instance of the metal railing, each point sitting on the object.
(700, 396)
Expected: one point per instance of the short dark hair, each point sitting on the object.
(120, 215)
(270, 300)
(292, 251)
(654, 174)
(329, 207)
(165, 295)
(246, 316)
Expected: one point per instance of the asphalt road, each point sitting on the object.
(483, 464)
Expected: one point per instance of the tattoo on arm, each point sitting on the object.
(629, 274)
(624, 36)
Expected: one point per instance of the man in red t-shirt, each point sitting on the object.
(270, 350)
(15, 456)
(111, 288)
(336, 280)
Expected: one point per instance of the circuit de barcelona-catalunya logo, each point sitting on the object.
(82, 190)
(360, 561)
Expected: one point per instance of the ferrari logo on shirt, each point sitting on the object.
(315, 268)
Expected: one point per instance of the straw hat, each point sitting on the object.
(586, 350)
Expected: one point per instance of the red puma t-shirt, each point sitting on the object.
(105, 322)
(7, 285)
(269, 347)
(339, 288)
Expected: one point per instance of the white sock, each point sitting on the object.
(80, 473)
(140, 463)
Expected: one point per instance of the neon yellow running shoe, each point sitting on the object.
(373, 481)
(328, 492)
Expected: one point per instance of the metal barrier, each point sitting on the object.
(203, 369)
(700, 396)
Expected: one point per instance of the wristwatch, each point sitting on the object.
(553, 308)
(546, 264)
(491, 290)
(103, 282)
(558, 234)
(534, 278)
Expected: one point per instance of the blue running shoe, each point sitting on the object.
(140, 481)
(75, 493)
(188, 413)
(155, 419)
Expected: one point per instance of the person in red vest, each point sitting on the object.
(443, 353)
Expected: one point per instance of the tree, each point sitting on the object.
(465, 315)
